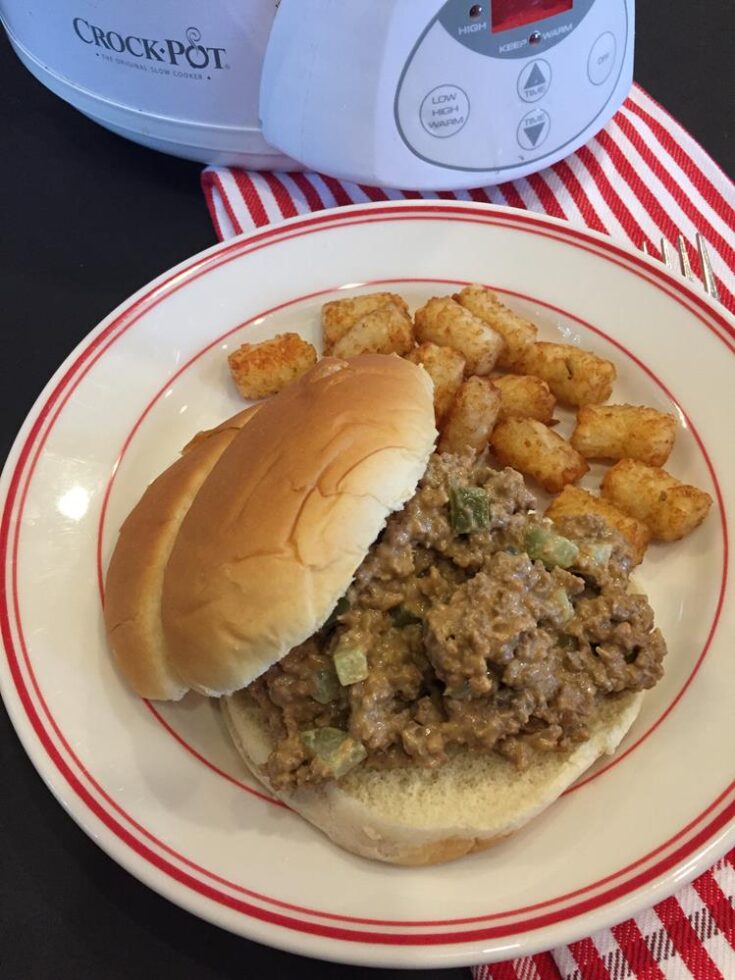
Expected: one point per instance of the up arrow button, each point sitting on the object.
(534, 80)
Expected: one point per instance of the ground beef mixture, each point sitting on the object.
(468, 641)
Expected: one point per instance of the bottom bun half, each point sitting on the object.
(416, 816)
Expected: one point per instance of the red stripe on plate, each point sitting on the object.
(210, 765)
(686, 942)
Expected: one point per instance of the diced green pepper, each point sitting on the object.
(404, 617)
(550, 548)
(469, 509)
(337, 750)
(564, 603)
(351, 665)
(596, 552)
(324, 685)
(339, 610)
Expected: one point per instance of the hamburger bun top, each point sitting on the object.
(281, 523)
(135, 573)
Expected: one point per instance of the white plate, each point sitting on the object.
(160, 789)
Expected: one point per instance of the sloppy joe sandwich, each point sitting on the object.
(405, 650)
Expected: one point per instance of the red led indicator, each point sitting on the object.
(507, 14)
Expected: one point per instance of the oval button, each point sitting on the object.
(534, 80)
(444, 111)
(602, 58)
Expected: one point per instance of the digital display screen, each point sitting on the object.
(507, 14)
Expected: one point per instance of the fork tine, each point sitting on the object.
(686, 268)
(710, 282)
(667, 256)
(644, 247)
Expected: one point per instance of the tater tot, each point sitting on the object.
(471, 417)
(575, 376)
(574, 502)
(670, 508)
(339, 315)
(444, 322)
(624, 432)
(263, 369)
(523, 396)
(536, 450)
(386, 330)
(516, 331)
(446, 369)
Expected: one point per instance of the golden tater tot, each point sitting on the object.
(340, 315)
(386, 330)
(446, 369)
(516, 331)
(624, 432)
(670, 508)
(536, 450)
(444, 322)
(574, 502)
(471, 417)
(575, 376)
(263, 369)
(523, 396)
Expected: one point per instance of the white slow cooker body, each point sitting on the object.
(348, 88)
(179, 76)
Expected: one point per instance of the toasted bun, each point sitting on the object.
(135, 575)
(288, 513)
(418, 816)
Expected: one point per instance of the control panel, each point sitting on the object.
(500, 85)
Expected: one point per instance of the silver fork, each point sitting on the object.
(679, 262)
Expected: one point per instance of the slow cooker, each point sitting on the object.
(414, 93)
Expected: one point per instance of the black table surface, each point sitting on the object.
(87, 219)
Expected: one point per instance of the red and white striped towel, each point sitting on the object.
(642, 178)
